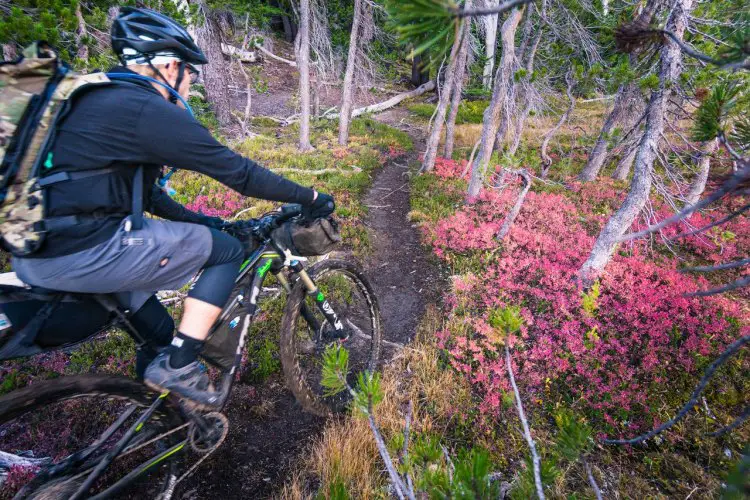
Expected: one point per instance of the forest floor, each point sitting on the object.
(269, 431)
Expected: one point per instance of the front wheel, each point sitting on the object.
(304, 339)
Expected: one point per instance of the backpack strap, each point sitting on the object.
(136, 217)
(59, 177)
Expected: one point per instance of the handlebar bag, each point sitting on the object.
(306, 239)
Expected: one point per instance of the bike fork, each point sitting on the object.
(320, 301)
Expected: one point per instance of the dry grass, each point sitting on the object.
(346, 453)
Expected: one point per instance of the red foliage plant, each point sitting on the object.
(610, 358)
(222, 203)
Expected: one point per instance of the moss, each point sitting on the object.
(468, 111)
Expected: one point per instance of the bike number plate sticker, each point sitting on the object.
(4, 322)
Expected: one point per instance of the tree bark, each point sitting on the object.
(490, 43)
(625, 164)
(9, 52)
(491, 121)
(419, 72)
(346, 99)
(621, 221)
(458, 85)
(303, 59)
(81, 34)
(546, 160)
(704, 166)
(523, 98)
(433, 142)
(599, 151)
(215, 73)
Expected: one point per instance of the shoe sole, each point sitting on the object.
(190, 403)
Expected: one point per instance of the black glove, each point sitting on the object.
(323, 206)
(241, 229)
(212, 222)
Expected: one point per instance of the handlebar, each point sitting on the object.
(262, 228)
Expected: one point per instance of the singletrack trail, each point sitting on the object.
(269, 432)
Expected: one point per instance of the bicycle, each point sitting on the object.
(145, 433)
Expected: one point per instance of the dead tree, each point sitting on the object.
(546, 160)
(598, 153)
(489, 23)
(458, 85)
(208, 35)
(670, 62)
(348, 90)
(81, 34)
(433, 142)
(701, 177)
(491, 121)
(511, 217)
(626, 163)
(303, 58)
(524, 85)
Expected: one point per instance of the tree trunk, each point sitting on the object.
(433, 142)
(626, 162)
(458, 85)
(346, 99)
(599, 151)
(216, 72)
(546, 160)
(704, 166)
(303, 59)
(9, 52)
(290, 33)
(621, 221)
(524, 86)
(491, 121)
(81, 34)
(420, 74)
(490, 43)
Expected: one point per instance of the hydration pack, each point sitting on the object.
(35, 92)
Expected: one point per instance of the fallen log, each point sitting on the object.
(8, 460)
(393, 101)
(244, 56)
(275, 57)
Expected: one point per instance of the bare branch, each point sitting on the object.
(735, 423)
(729, 351)
(592, 481)
(734, 285)
(730, 185)
(537, 461)
(511, 217)
(720, 267)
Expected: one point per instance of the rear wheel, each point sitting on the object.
(352, 298)
(51, 422)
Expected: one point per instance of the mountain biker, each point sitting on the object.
(110, 250)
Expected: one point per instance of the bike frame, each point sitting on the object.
(269, 256)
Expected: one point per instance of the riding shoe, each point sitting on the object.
(190, 381)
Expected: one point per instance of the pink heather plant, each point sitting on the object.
(613, 363)
(222, 203)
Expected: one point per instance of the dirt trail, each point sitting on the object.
(269, 431)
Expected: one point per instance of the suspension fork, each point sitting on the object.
(320, 301)
(309, 317)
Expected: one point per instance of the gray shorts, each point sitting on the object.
(163, 255)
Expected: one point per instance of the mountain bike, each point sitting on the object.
(96, 436)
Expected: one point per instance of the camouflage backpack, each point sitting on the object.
(34, 91)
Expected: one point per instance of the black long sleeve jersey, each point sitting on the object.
(131, 124)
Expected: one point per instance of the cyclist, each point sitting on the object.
(110, 249)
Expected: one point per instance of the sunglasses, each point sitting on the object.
(193, 72)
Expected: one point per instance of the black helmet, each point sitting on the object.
(142, 32)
